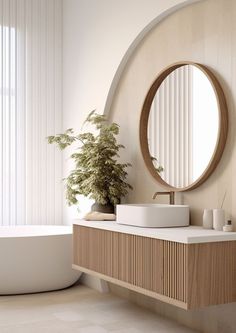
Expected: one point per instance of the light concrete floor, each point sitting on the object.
(79, 309)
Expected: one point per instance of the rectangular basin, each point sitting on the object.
(153, 215)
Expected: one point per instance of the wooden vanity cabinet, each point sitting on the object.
(189, 276)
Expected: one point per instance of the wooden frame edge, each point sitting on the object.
(222, 133)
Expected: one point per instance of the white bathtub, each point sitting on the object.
(35, 258)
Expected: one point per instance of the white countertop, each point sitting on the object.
(186, 235)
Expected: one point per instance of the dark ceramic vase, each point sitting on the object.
(107, 208)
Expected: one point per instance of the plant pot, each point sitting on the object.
(107, 208)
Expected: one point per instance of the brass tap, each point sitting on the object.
(171, 195)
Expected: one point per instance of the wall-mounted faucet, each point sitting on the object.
(171, 195)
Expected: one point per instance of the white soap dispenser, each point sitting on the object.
(228, 226)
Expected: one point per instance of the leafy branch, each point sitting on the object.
(158, 168)
(97, 174)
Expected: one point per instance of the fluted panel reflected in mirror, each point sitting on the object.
(182, 125)
(170, 130)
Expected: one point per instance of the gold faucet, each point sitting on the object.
(171, 194)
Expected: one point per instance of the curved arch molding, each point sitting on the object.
(133, 46)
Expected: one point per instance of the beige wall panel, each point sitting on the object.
(205, 33)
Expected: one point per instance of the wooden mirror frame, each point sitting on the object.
(222, 132)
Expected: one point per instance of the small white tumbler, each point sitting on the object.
(218, 219)
(207, 219)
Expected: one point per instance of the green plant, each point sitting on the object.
(158, 168)
(97, 173)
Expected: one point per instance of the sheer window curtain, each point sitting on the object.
(30, 109)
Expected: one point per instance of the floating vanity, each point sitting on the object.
(188, 267)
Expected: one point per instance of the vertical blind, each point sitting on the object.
(30, 110)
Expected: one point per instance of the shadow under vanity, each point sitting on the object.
(181, 143)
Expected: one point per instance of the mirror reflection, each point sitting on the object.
(183, 126)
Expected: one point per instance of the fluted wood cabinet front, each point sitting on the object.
(128, 258)
(186, 275)
(142, 264)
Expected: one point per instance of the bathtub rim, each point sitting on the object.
(34, 230)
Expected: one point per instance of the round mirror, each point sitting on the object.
(183, 126)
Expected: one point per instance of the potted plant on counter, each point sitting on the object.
(97, 173)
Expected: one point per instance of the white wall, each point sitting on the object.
(98, 38)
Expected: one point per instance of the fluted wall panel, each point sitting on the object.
(170, 127)
(30, 110)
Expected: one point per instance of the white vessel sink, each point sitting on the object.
(153, 215)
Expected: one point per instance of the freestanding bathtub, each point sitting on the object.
(35, 259)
